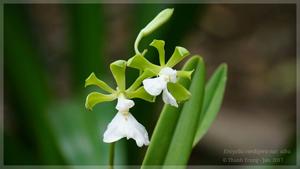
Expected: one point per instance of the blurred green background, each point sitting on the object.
(49, 50)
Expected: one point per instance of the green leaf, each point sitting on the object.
(160, 19)
(140, 93)
(118, 70)
(183, 137)
(146, 74)
(165, 127)
(214, 92)
(141, 63)
(93, 80)
(160, 46)
(94, 98)
(177, 56)
(179, 92)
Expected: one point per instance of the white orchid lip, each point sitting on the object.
(124, 104)
(154, 86)
(125, 125)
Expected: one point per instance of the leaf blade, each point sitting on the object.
(214, 92)
(184, 133)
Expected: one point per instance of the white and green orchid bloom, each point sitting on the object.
(123, 125)
(165, 81)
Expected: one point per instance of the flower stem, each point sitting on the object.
(111, 155)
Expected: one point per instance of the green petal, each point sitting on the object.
(177, 56)
(185, 74)
(140, 93)
(141, 63)
(94, 98)
(160, 46)
(118, 70)
(146, 74)
(160, 19)
(179, 92)
(93, 80)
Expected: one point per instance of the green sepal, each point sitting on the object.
(179, 92)
(95, 97)
(140, 93)
(118, 70)
(177, 56)
(93, 80)
(141, 63)
(146, 74)
(160, 46)
(185, 74)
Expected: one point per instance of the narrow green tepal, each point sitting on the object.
(179, 92)
(118, 68)
(177, 56)
(94, 98)
(93, 80)
(214, 92)
(164, 130)
(182, 142)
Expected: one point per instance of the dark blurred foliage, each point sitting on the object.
(49, 50)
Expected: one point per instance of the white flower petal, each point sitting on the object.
(154, 86)
(168, 98)
(124, 105)
(126, 126)
(169, 73)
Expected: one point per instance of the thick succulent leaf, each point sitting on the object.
(214, 92)
(183, 137)
(178, 92)
(141, 63)
(185, 74)
(94, 98)
(160, 19)
(118, 70)
(93, 80)
(146, 74)
(165, 127)
(160, 46)
(177, 56)
(140, 93)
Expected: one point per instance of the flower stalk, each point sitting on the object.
(111, 155)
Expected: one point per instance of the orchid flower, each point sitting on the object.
(165, 81)
(123, 124)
